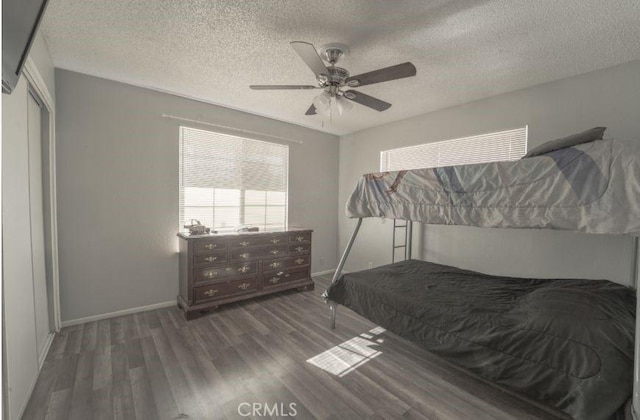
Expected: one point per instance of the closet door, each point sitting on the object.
(40, 294)
(21, 358)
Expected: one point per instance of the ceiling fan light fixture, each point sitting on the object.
(343, 106)
(322, 102)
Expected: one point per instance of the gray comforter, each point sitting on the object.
(568, 343)
(593, 187)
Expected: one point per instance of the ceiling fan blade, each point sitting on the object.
(311, 110)
(310, 56)
(367, 100)
(398, 71)
(281, 87)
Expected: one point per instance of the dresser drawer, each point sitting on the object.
(300, 237)
(277, 278)
(206, 246)
(259, 252)
(221, 290)
(257, 240)
(210, 258)
(300, 248)
(279, 264)
(225, 271)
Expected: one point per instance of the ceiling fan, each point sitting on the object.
(333, 79)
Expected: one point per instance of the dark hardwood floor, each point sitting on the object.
(277, 352)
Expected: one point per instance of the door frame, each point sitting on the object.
(37, 83)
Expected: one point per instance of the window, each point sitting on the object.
(492, 147)
(228, 181)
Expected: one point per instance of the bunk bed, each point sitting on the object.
(569, 343)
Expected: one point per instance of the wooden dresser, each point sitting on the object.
(218, 269)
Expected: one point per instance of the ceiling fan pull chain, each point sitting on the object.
(331, 111)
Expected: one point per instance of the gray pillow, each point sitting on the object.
(572, 140)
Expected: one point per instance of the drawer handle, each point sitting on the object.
(211, 246)
(244, 243)
(275, 251)
(211, 259)
(287, 275)
(274, 265)
(211, 292)
(300, 238)
(228, 269)
(244, 286)
(299, 261)
(211, 274)
(244, 255)
(300, 249)
(243, 269)
(275, 241)
(274, 280)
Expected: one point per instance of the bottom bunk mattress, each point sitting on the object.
(568, 343)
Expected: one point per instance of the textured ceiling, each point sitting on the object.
(463, 50)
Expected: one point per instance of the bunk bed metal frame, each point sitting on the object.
(635, 406)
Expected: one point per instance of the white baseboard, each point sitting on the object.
(118, 313)
(322, 273)
(47, 347)
(146, 308)
(31, 388)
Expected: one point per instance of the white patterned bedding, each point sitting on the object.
(593, 187)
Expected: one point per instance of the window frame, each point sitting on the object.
(424, 148)
(264, 226)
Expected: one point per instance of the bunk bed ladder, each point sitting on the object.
(408, 231)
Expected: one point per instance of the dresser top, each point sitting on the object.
(237, 234)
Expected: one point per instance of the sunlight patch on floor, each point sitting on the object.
(349, 355)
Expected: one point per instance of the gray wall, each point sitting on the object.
(609, 97)
(117, 186)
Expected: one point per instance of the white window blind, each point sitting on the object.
(228, 181)
(492, 147)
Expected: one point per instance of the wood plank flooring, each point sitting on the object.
(155, 365)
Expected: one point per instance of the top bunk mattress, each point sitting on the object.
(593, 187)
(566, 342)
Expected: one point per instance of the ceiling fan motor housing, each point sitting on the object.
(336, 76)
(334, 80)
